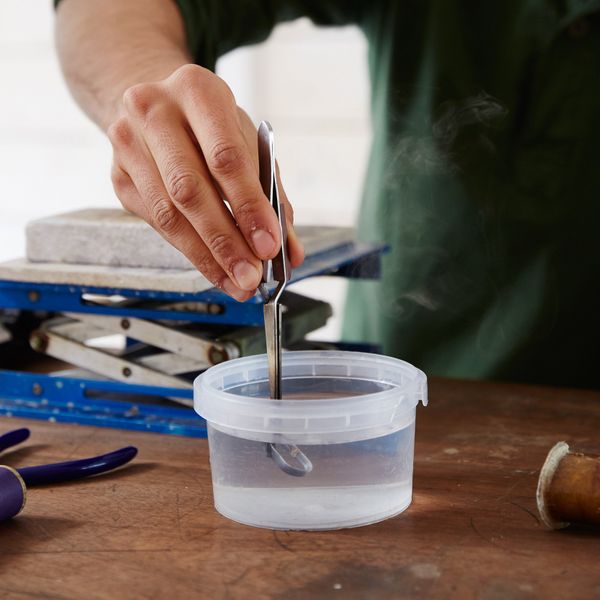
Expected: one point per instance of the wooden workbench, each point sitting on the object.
(150, 530)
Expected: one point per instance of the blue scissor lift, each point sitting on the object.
(126, 390)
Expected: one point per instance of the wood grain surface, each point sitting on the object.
(150, 530)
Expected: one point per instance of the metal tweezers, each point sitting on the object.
(276, 275)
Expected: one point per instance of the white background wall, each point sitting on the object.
(310, 83)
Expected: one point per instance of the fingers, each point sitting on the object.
(183, 152)
(191, 190)
(141, 191)
(220, 134)
(294, 245)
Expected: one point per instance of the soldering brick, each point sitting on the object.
(115, 238)
(108, 237)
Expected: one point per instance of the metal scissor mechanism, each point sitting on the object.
(165, 353)
(176, 351)
(276, 275)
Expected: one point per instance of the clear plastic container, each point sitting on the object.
(344, 428)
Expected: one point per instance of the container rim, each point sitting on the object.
(407, 386)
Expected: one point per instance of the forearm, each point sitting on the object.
(106, 46)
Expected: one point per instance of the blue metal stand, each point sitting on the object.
(90, 402)
(142, 407)
(354, 260)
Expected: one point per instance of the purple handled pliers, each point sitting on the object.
(14, 482)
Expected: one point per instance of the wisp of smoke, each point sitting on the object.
(432, 150)
(444, 144)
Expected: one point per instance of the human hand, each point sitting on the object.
(185, 159)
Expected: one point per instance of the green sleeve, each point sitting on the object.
(214, 27)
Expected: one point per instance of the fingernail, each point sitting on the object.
(246, 276)
(263, 242)
(232, 290)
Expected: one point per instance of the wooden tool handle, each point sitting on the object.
(569, 488)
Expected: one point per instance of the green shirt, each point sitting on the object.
(484, 177)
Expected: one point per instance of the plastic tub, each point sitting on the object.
(346, 421)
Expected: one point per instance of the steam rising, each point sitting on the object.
(456, 138)
(434, 150)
